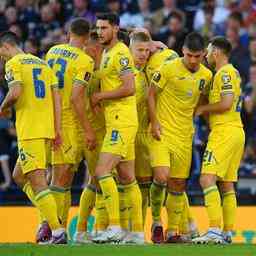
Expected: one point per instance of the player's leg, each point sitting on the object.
(126, 176)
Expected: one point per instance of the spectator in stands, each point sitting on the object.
(162, 15)
(82, 9)
(28, 18)
(249, 12)
(239, 56)
(250, 104)
(32, 46)
(252, 49)
(173, 36)
(48, 23)
(219, 17)
(17, 29)
(129, 19)
(11, 15)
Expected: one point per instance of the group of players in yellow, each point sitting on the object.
(128, 111)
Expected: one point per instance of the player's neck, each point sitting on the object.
(220, 63)
(15, 51)
(111, 44)
(77, 43)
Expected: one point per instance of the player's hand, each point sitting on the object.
(5, 113)
(90, 139)
(97, 109)
(95, 99)
(156, 130)
(199, 111)
(57, 141)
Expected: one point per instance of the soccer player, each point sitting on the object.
(225, 145)
(117, 97)
(173, 96)
(87, 199)
(140, 49)
(33, 92)
(73, 69)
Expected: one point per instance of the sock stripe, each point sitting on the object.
(92, 187)
(57, 189)
(122, 186)
(145, 184)
(104, 177)
(42, 194)
(210, 189)
(229, 193)
(175, 193)
(158, 184)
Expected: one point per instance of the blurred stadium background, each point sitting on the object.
(43, 23)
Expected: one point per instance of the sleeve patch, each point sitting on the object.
(226, 87)
(156, 77)
(87, 76)
(124, 62)
(226, 79)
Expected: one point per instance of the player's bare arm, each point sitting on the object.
(12, 96)
(155, 125)
(57, 117)
(222, 106)
(78, 102)
(125, 90)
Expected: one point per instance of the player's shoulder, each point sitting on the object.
(206, 71)
(121, 49)
(226, 72)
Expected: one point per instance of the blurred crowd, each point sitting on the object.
(43, 23)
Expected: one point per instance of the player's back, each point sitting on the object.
(34, 108)
(180, 95)
(157, 59)
(227, 80)
(69, 64)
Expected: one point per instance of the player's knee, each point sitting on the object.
(226, 187)
(160, 177)
(177, 185)
(207, 180)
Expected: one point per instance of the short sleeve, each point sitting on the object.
(123, 63)
(13, 74)
(226, 83)
(161, 76)
(83, 72)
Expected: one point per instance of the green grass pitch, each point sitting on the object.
(125, 250)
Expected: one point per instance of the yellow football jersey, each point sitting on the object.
(115, 62)
(34, 108)
(71, 65)
(227, 80)
(157, 59)
(179, 96)
(141, 84)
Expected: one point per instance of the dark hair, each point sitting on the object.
(237, 16)
(80, 27)
(223, 44)
(140, 37)
(194, 42)
(112, 18)
(123, 35)
(9, 37)
(177, 15)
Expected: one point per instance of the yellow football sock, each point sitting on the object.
(229, 206)
(183, 226)
(101, 214)
(213, 206)
(124, 208)
(175, 207)
(111, 197)
(59, 196)
(67, 205)
(30, 194)
(47, 205)
(157, 194)
(144, 189)
(135, 201)
(87, 202)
